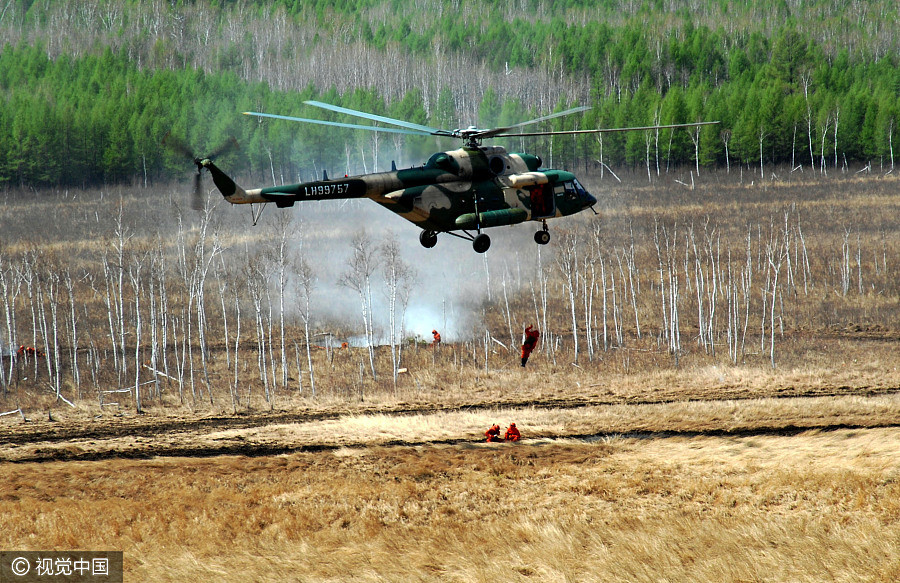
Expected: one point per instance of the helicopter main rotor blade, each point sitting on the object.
(472, 135)
(340, 125)
(380, 118)
(606, 130)
(494, 132)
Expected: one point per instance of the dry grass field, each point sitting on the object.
(640, 462)
(808, 506)
(665, 477)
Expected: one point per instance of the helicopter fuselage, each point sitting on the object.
(471, 188)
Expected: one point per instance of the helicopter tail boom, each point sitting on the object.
(229, 189)
(284, 196)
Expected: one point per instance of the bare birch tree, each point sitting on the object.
(306, 284)
(775, 254)
(397, 275)
(135, 275)
(282, 225)
(71, 304)
(358, 277)
(256, 276)
(567, 262)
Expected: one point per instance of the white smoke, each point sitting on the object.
(452, 280)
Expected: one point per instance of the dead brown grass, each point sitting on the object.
(811, 507)
(73, 439)
(693, 490)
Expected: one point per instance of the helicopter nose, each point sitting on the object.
(588, 200)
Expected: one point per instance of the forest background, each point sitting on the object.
(91, 88)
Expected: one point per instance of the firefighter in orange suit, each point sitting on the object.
(493, 434)
(512, 433)
(528, 344)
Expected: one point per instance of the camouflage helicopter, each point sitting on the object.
(456, 192)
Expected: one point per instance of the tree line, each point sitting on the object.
(91, 89)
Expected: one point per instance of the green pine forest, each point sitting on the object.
(89, 89)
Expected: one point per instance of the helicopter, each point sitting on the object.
(460, 192)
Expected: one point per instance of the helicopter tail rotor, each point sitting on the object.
(198, 201)
(196, 192)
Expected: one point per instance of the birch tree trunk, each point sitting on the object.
(306, 281)
(775, 257)
(358, 277)
(567, 261)
(73, 331)
(282, 225)
(134, 274)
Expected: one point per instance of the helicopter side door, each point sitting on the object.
(543, 204)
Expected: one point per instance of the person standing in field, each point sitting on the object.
(529, 341)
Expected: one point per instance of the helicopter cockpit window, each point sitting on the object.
(573, 190)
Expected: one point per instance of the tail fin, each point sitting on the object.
(222, 181)
(231, 191)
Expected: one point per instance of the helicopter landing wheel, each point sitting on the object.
(481, 243)
(428, 239)
(542, 237)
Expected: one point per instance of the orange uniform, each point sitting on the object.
(30, 350)
(493, 434)
(437, 337)
(531, 339)
(512, 433)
